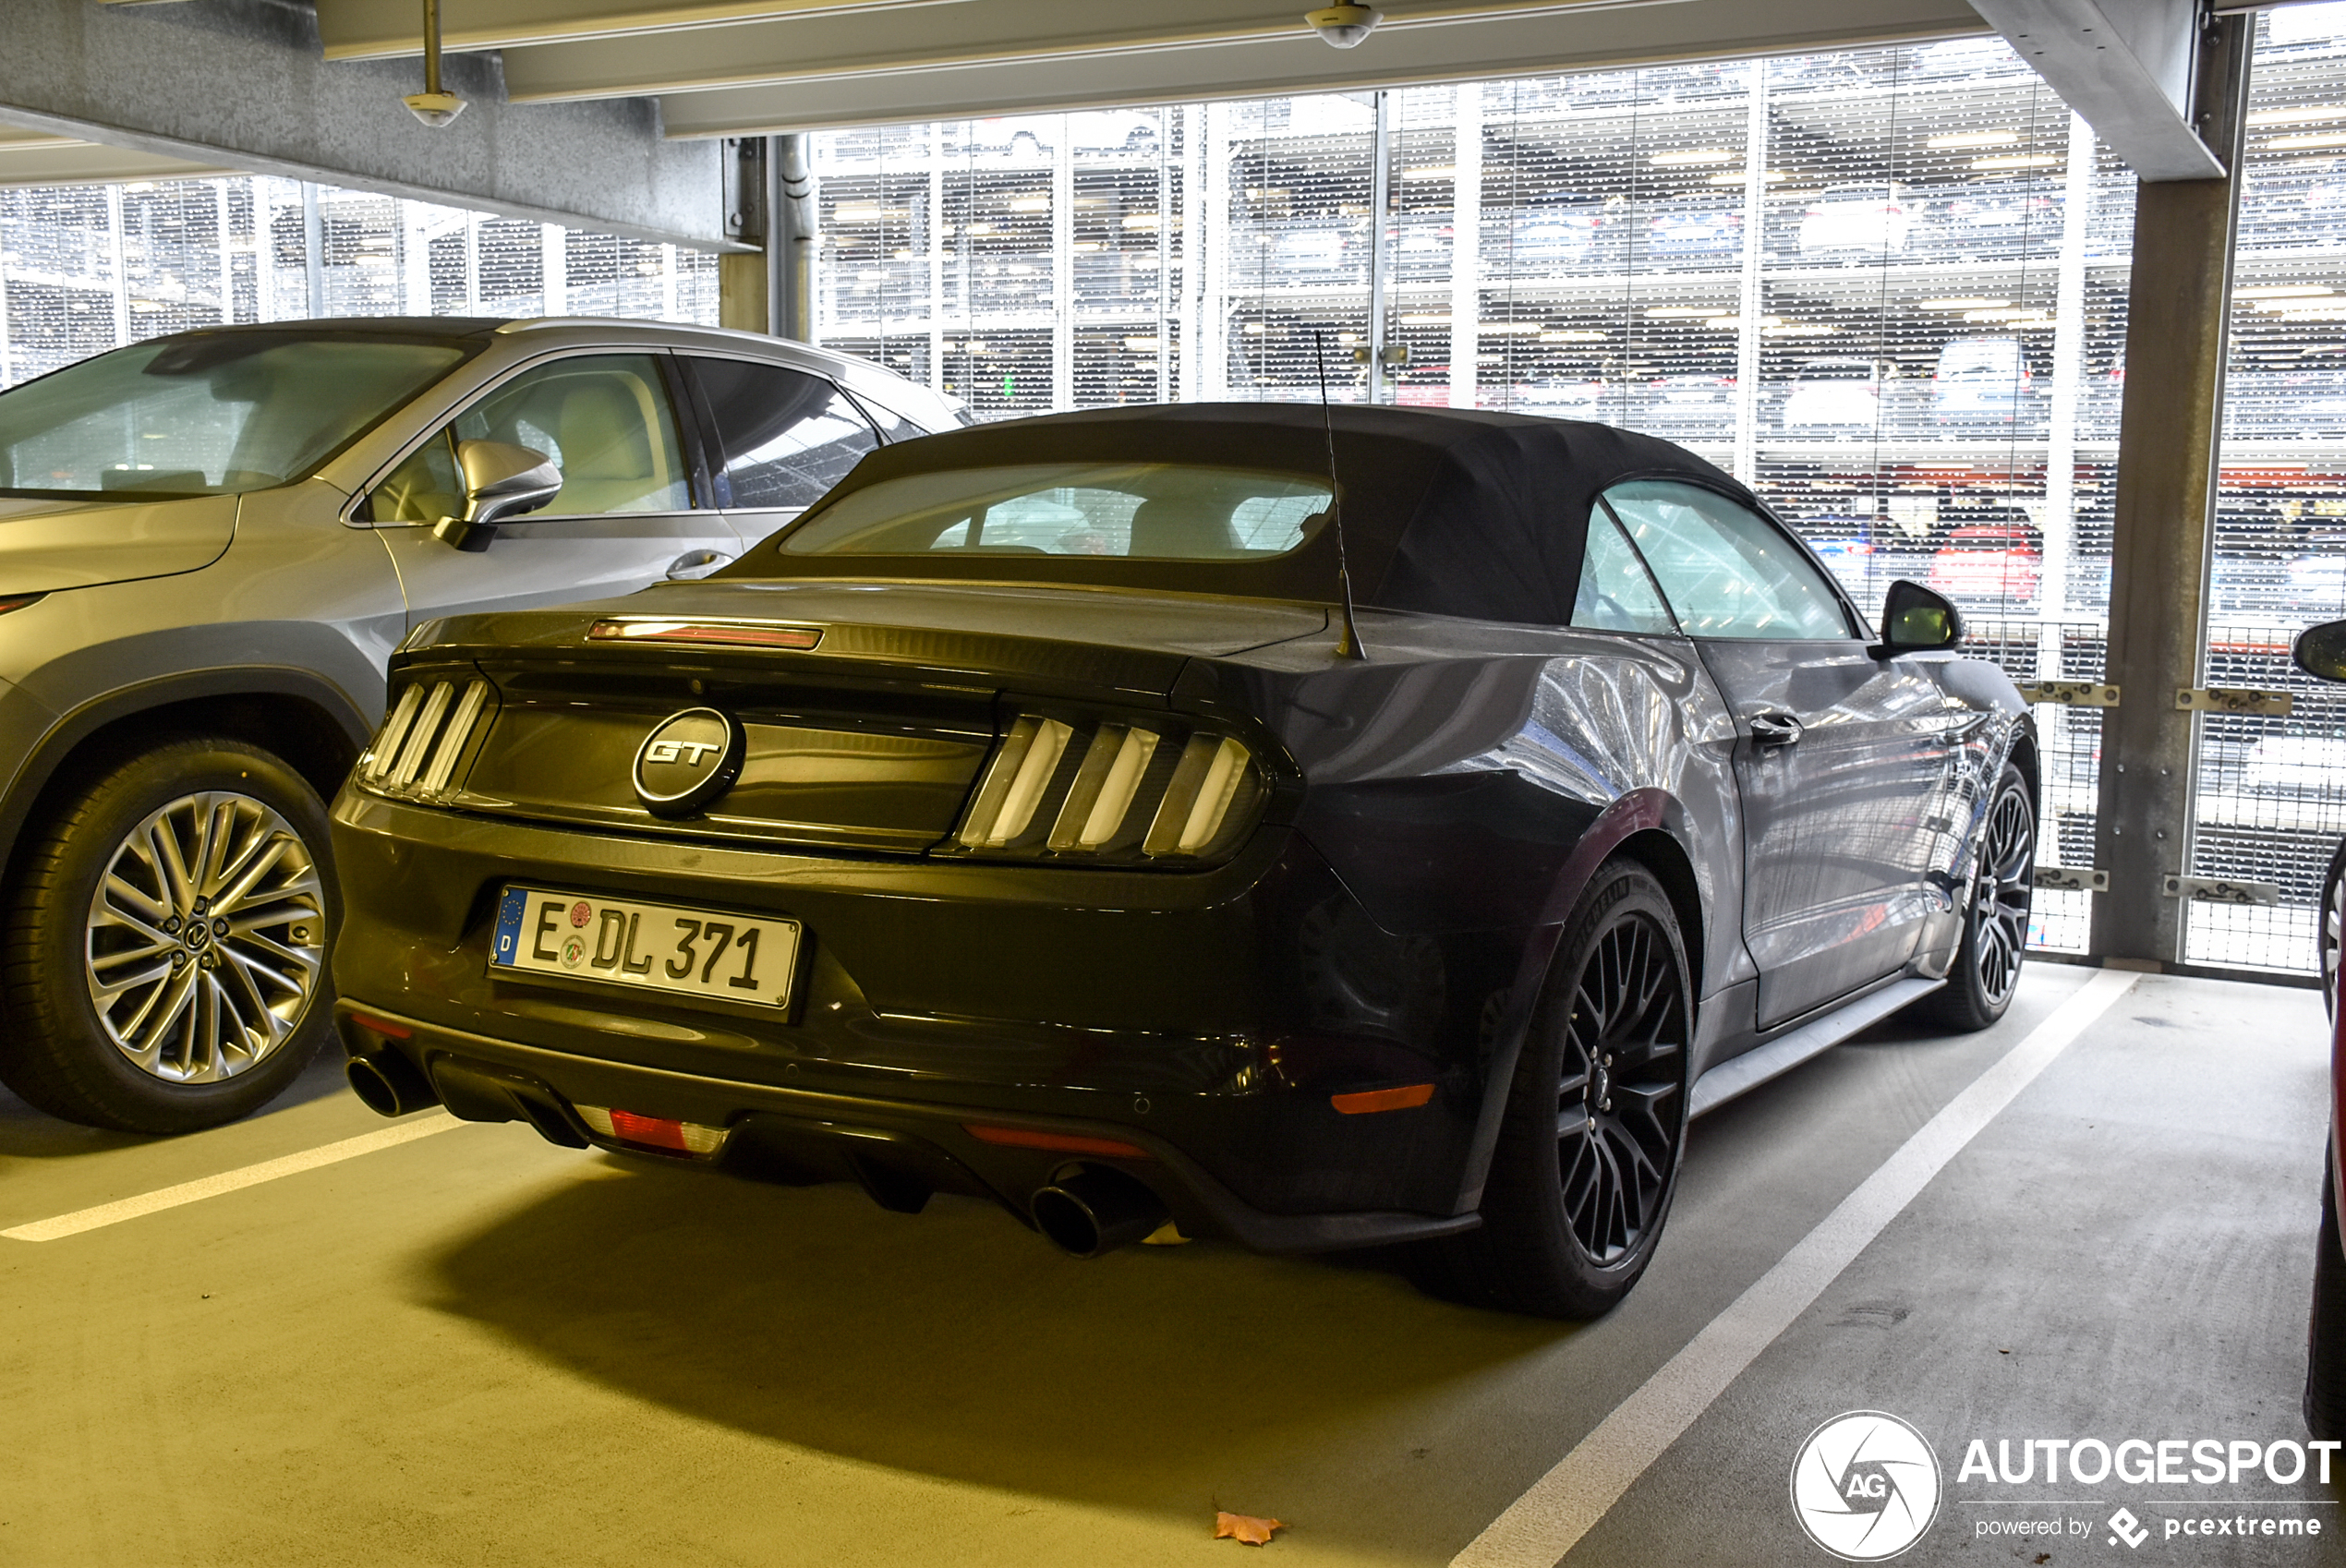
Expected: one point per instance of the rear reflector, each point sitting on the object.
(380, 1026)
(653, 1132)
(746, 635)
(1369, 1099)
(1058, 1143)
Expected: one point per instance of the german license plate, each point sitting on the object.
(651, 946)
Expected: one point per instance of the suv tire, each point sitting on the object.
(163, 958)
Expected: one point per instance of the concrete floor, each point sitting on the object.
(476, 1348)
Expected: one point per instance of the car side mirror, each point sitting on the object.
(1915, 620)
(2320, 650)
(502, 481)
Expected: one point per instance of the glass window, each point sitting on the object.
(1161, 510)
(207, 413)
(1616, 593)
(602, 419)
(787, 437)
(1727, 571)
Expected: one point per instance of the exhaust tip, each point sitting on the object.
(1095, 1210)
(389, 1085)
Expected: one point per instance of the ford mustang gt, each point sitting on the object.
(1318, 829)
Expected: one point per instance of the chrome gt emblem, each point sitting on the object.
(688, 760)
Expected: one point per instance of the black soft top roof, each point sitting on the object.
(1453, 511)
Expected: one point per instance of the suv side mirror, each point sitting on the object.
(2321, 650)
(500, 481)
(1915, 620)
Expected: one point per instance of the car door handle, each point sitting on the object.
(696, 564)
(1775, 729)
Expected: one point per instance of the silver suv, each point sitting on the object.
(209, 543)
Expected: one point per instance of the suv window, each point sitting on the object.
(785, 437)
(1727, 571)
(602, 419)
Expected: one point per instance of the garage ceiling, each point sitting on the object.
(740, 68)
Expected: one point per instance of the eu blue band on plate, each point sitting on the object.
(509, 917)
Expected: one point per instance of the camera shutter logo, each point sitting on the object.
(1865, 1486)
(688, 760)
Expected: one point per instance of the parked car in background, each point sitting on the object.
(1990, 553)
(1834, 396)
(1866, 218)
(1141, 884)
(1981, 384)
(1687, 407)
(1991, 219)
(1553, 231)
(209, 544)
(1694, 225)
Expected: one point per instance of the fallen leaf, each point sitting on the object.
(1245, 1528)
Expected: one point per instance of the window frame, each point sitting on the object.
(1859, 629)
(713, 453)
(689, 438)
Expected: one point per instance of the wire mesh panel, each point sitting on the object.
(86, 268)
(2271, 798)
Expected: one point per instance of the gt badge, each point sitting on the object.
(688, 760)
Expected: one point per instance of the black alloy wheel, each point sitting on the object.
(1588, 1153)
(1995, 935)
(163, 957)
(2327, 933)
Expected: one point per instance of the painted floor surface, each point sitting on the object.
(476, 1348)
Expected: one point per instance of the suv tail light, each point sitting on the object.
(1112, 789)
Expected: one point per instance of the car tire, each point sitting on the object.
(1995, 931)
(2327, 932)
(2326, 1330)
(1587, 1159)
(146, 993)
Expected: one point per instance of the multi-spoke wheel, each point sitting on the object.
(1995, 931)
(166, 948)
(1587, 1152)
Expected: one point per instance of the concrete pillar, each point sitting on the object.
(2178, 302)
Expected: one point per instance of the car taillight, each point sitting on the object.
(1112, 789)
(416, 750)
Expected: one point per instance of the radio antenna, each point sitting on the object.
(1348, 643)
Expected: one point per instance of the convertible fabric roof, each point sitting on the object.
(1451, 512)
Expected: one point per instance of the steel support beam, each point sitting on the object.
(2177, 305)
(242, 84)
(2128, 66)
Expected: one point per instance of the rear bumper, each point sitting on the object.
(899, 1150)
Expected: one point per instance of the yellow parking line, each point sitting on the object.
(230, 1181)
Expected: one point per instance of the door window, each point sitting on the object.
(1727, 571)
(1615, 594)
(786, 437)
(602, 419)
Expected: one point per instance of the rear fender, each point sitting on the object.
(1638, 812)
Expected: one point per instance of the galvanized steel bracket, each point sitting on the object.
(2069, 694)
(2232, 699)
(2218, 890)
(2071, 879)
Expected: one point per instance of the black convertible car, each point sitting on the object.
(1037, 818)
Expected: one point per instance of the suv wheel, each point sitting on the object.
(164, 953)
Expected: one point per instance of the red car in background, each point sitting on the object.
(1992, 560)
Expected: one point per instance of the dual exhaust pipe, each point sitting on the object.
(1089, 1210)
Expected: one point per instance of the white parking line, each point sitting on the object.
(1562, 1505)
(230, 1181)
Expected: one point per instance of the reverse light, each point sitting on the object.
(663, 1133)
(1113, 789)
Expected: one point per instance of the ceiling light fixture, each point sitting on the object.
(1343, 26)
(432, 105)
